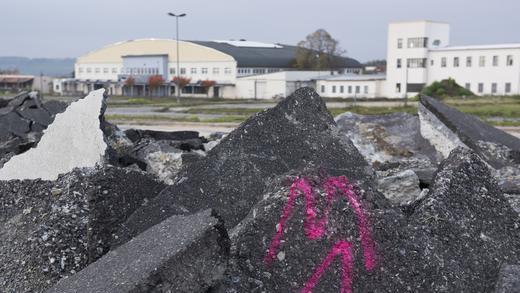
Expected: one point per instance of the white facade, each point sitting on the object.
(351, 86)
(275, 85)
(485, 70)
(408, 48)
(126, 68)
(419, 53)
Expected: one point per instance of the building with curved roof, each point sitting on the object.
(126, 67)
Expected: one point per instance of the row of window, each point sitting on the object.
(495, 61)
(494, 87)
(244, 71)
(413, 43)
(98, 70)
(341, 89)
(480, 87)
(203, 70)
(152, 71)
(421, 62)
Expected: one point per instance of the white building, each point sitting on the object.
(351, 86)
(126, 67)
(419, 53)
(278, 84)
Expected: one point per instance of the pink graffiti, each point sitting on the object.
(315, 227)
(342, 248)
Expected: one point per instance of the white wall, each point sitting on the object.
(367, 88)
(81, 71)
(434, 31)
(476, 74)
(221, 77)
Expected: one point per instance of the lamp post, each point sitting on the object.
(178, 70)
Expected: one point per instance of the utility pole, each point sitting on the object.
(177, 38)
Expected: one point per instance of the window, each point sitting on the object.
(480, 87)
(416, 63)
(508, 87)
(216, 70)
(183, 70)
(333, 89)
(399, 43)
(365, 89)
(227, 70)
(358, 89)
(349, 89)
(431, 62)
(494, 88)
(436, 43)
(443, 62)
(114, 69)
(97, 70)
(397, 87)
(57, 87)
(417, 42)
(495, 60)
(105, 70)
(468, 86)
(341, 89)
(482, 61)
(322, 88)
(204, 70)
(469, 61)
(80, 69)
(193, 70)
(172, 71)
(399, 63)
(456, 62)
(509, 61)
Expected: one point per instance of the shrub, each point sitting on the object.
(446, 88)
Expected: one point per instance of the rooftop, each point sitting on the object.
(479, 47)
(354, 77)
(255, 54)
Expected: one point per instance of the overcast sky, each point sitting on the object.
(70, 28)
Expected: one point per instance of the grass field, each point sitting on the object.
(497, 110)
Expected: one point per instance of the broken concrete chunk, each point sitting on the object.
(53, 229)
(462, 231)
(400, 188)
(181, 254)
(301, 239)
(22, 121)
(313, 234)
(447, 128)
(73, 140)
(137, 134)
(386, 138)
(299, 132)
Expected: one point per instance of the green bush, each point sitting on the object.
(446, 88)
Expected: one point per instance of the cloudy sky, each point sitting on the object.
(70, 28)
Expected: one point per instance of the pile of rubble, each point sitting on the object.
(291, 200)
(22, 120)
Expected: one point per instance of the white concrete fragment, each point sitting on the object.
(73, 140)
(439, 135)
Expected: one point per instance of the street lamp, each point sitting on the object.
(177, 72)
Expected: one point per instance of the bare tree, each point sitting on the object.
(318, 51)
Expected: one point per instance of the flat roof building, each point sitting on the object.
(419, 53)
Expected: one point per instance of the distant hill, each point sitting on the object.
(34, 66)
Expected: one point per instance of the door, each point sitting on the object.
(216, 91)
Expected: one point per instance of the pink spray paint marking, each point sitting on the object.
(342, 248)
(315, 228)
(342, 184)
